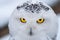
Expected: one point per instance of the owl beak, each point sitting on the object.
(30, 33)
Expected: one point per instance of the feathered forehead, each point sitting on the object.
(36, 7)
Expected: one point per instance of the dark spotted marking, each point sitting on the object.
(44, 7)
(25, 4)
(33, 7)
(18, 7)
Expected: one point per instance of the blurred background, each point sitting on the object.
(7, 7)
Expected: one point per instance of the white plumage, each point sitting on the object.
(30, 29)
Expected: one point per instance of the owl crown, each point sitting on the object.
(33, 7)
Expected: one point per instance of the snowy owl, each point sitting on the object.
(33, 20)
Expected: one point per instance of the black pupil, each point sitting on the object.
(23, 19)
(40, 19)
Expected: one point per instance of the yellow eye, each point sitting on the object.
(23, 20)
(40, 20)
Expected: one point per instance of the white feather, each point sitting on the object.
(44, 31)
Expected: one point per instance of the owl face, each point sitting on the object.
(32, 19)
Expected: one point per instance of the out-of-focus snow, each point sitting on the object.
(6, 8)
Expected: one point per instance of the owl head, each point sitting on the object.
(31, 19)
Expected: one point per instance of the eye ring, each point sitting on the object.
(23, 20)
(41, 20)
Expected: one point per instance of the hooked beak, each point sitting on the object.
(30, 33)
